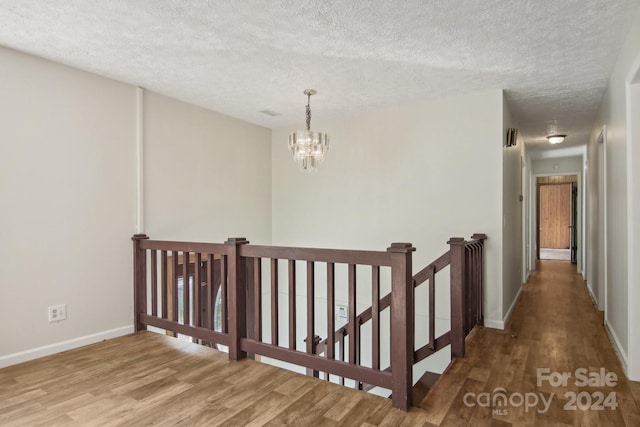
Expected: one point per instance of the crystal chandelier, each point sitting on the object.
(308, 147)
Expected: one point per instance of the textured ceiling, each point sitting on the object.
(553, 57)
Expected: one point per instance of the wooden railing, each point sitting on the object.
(235, 275)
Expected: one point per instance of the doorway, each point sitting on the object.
(557, 198)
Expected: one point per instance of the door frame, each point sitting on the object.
(538, 206)
(601, 145)
(533, 212)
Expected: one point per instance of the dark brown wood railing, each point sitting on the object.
(233, 276)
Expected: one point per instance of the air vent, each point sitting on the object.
(270, 113)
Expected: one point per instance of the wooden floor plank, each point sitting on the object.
(554, 325)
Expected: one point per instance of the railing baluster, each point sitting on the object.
(186, 302)
(432, 308)
(341, 355)
(174, 290)
(257, 299)
(274, 301)
(471, 303)
(311, 312)
(331, 304)
(476, 281)
(197, 290)
(292, 304)
(375, 317)
(223, 292)
(165, 284)
(154, 282)
(353, 328)
(208, 319)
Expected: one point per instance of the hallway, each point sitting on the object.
(554, 326)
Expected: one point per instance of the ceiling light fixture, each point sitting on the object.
(556, 139)
(308, 147)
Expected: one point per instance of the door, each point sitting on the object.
(555, 216)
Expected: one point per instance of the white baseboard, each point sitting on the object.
(495, 324)
(500, 324)
(594, 300)
(47, 350)
(617, 347)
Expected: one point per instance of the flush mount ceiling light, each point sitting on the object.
(556, 139)
(308, 147)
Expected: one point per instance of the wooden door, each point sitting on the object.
(555, 216)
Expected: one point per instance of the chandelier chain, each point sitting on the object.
(308, 111)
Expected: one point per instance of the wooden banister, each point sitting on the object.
(224, 283)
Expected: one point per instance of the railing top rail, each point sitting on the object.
(342, 256)
(422, 275)
(208, 248)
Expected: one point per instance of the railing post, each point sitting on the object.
(457, 269)
(402, 334)
(481, 237)
(237, 297)
(139, 282)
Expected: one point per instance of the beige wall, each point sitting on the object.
(512, 206)
(67, 185)
(564, 165)
(612, 114)
(207, 176)
(420, 173)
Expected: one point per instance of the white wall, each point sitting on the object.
(633, 161)
(67, 185)
(612, 113)
(207, 176)
(512, 160)
(558, 165)
(419, 173)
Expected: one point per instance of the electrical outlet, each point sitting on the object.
(57, 313)
(342, 312)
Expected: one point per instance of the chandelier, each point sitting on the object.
(308, 147)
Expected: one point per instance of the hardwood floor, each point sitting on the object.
(150, 379)
(554, 326)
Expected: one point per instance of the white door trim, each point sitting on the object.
(601, 145)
